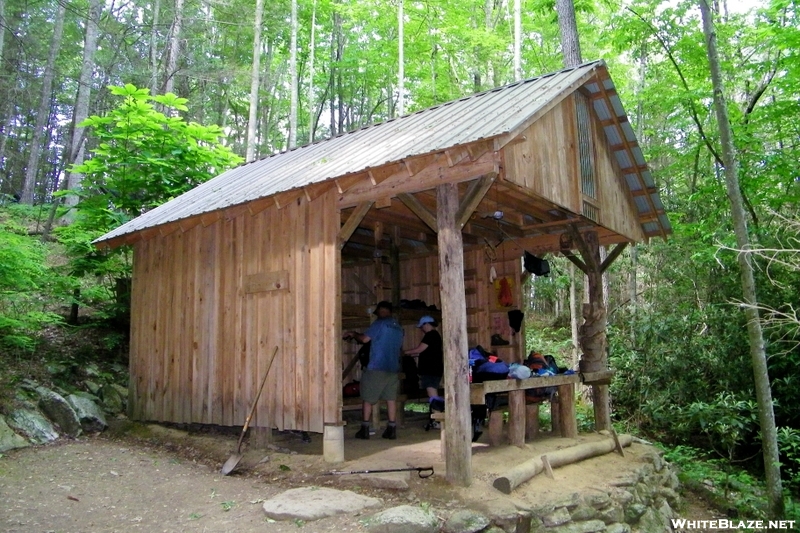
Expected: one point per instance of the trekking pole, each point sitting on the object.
(422, 472)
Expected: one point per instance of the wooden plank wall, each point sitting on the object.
(617, 209)
(546, 162)
(200, 341)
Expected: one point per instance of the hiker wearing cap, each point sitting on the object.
(379, 381)
(431, 356)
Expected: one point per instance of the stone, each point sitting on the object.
(623, 497)
(403, 519)
(653, 521)
(570, 503)
(91, 417)
(313, 503)
(56, 408)
(597, 499)
(645, 470)
(33, 425)
(494, 529)
(9, 440)
(612, 514)
(618, 528)
(666, 511)
(672, 480)
(466, 521)
(112, 401)
(502, 512)
(93, 387)
(655, 459)
(590, 526)
(634, 512)
(556, 518)
(584, 512)
(643, 493)
(670, 495)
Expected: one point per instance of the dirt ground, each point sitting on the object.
(152, 478)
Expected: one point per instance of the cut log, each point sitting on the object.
(525, 471)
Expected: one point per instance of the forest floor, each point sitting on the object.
(152, 478)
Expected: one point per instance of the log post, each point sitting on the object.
(516, 418)
(531, 421)
(496, 428)
(458, 442)
(566, 406)
(555, 415)
(260, 437)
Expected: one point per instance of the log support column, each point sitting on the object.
(458, 442)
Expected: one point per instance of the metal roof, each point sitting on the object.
(472, 118)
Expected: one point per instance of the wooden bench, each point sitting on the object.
(523, 417)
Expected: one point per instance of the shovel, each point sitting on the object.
(234, 459)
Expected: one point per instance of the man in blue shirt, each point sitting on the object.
(379, 381)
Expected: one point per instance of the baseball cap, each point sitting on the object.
(426, 320)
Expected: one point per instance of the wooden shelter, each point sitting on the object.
(288, 250)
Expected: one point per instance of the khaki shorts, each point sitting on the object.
(378, 385)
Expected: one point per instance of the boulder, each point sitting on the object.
(612, 514)
(584, 512)
(653, 521)
(9, 440)
(91, 417)
(403, 519)
(33, 424)
(618, 528)
(466, 521)
(313, 503)
(556, 518)
(634, 512)
(590, 526)
(58, 410)
(112, 400)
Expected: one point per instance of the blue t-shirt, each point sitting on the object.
(387, 341)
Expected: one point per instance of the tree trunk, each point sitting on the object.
(766, 415)
(570, 44)
(458, 442)
(174, 47)
(255, 72)
(311, 108)
(293, 79)
(573, 315)
(154, 48)
(517, 40)
(77, 134)
(401, 73)
(2, 29)
(43, 113)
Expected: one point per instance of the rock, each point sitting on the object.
(494, 529)
(87, 395)
(655, 459)
(643, 493)
(8, 439)
(93, 387)
(591, 526)
(618, 528)
(89, 413)
(612, 514)
(466, 521)
(653, 521)
(56, 408)
(403, 519)
(597, 499)
(584, 512)
(634, 512)
(645, 470)
(502, 512)
(112, 401)
(666, 511)
(670, 495)
(623, 497)
(570, 503)
(33, 424)
(556, 518)
(313, 503)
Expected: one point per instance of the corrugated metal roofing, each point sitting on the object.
(467, 120)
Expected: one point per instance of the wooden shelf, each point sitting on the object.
(358, 316)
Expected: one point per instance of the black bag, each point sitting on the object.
(536, 266)
(363, 355)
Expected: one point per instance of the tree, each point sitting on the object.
(570, 43)
(43, 113)
(254, 82)
(293, 78)
(174, 47)
(401, 73)
(766, 415)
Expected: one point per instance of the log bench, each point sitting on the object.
(523, 417)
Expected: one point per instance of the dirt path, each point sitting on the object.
(102, 486)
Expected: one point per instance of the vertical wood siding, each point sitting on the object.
(200, 342)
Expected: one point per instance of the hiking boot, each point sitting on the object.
(497, 340)
(363, 433)
(390, 433)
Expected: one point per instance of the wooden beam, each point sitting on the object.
(383, 203)
(344, 183)
(575, 261)
(428, 178)
(475, 193)
(416, 207)
(458, 442)
(285, 198)
(352, 223)
(612, 256)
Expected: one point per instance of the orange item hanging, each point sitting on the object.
(504, 297)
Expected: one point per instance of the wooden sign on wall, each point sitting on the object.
(266, 281)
